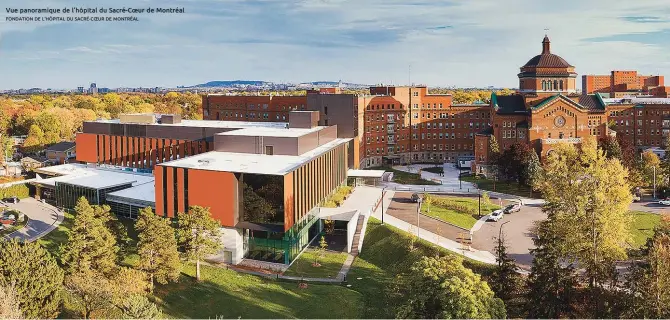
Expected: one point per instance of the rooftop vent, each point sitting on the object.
(203, 162)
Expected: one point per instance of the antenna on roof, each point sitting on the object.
(546, 30)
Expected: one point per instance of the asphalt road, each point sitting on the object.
(42, 219)
(518, 233)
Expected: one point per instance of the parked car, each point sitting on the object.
(11, 200)
(664, 203)
(512, 208)
(496, 215)
(415, 197)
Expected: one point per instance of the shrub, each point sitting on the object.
(330, 204)
(19, 190)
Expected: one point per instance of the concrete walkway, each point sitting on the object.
(482, 256)
(42, 219)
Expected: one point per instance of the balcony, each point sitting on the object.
(390, 120)
(390, 141)
(390, 131)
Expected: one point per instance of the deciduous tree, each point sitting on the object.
(534, 171)
(35, 275)
(586, 199)
(91, 290)
(198, 234)
(443, 288)
(157, 248)
(9, 307)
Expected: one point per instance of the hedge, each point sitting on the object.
(452, 205)
(19, 190)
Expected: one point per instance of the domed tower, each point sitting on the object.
(547, 74)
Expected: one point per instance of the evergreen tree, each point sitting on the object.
(533, 171)
(551, 287)
(198, 235)
(157, 248)
(90, 243)
(35, 276)
(505, 279)
(137, 306)
(111, 221)
(610, 145)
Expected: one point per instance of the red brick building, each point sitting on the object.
(547, 110)
(623, 83)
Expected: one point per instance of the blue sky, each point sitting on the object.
(447, 43)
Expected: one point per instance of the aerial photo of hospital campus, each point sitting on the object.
(335, 159)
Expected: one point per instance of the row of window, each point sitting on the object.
(263, 106)
(435, 147)
(250, 115)
(437, 126)
(471, 115)
(512, 134)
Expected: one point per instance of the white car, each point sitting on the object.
(496, 215)
(664, 202)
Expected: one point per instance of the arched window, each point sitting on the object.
(544, 85)
(561, 85)
(555, 84)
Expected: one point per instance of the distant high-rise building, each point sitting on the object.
(80, 89)
(93, 89)
(621, 83)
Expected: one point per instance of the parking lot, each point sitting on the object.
(518, 230)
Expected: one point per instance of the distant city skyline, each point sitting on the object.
(447, 43)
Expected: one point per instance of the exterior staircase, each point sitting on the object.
(357, 235)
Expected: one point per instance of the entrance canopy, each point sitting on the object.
(353, 173)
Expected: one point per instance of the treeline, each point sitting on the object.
(461, 96)
(48, 119)
(576, 271)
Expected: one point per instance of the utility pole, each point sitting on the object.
(383, 191)
(480, 202)
(654, 182)
(418, 212)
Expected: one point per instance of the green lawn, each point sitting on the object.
(385, 254)
(331, 263)
(403, 177)
(643, 227)
(58, 236)
(459, 218)
(227, 294)
(501, 186)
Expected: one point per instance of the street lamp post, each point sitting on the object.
(383, 190)
(500, 233)
(418, 211)
(654, 182)
(460, 182)
(480, 202)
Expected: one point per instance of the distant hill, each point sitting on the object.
(232, 83)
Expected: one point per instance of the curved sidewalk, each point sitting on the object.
(42, 219)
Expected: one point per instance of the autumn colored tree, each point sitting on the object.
(9, 308)
(586, 199)
(442, 288)
(35, 276)
(35, 140)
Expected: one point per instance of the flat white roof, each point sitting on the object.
(209, 124)
(250, 162)
(271, 132)
(64, 169)
(143, 192)
(95, 178)
(365, 173)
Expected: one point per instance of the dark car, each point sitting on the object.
(415, 197)
(513, 208)
(11, 200)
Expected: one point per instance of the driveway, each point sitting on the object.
(43, 218)
(518, 233)
(649, 206)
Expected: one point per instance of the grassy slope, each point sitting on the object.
(385, 254)
(228, 294)
(501, 186)
(458, 218)
(331, 264)
(403, 177)
(643, 227)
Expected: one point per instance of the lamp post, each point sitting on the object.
(480, 202)
(654, 182)
(500, 233)
(460, 182)
(383, 190)
(418, 211)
